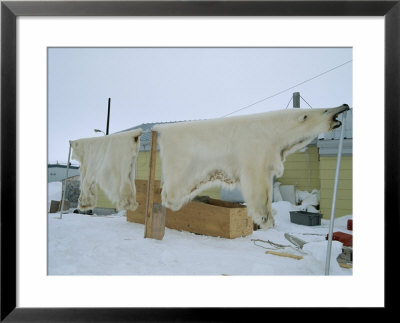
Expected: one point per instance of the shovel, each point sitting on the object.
(296, 241)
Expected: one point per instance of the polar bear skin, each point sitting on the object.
(110, 162)
(246, 151)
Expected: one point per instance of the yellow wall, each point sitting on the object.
(344, 198)
(102, 200)
(307, 171)
(302, 170)
(143, 164)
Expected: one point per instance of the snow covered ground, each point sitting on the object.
(109, 245)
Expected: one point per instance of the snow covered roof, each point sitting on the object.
(330, 147)
(329, 144)
(61, 166)
(145, 138)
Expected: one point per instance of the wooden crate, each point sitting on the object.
(55, 206)
(214, 218)
(138, 215)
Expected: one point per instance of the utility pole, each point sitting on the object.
(108, 115)
(296, 100)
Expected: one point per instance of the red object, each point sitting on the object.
(350, 224)
(345, 238)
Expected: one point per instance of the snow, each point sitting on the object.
(80, 244)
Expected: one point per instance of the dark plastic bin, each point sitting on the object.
(305, 218)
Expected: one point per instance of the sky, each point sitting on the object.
(149, 85)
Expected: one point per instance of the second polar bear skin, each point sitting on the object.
(246, 151)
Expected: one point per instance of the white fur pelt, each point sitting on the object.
(247, 151)
(110, 162)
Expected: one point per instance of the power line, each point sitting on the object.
(290, 88)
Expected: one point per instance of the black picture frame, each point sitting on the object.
(10, 10)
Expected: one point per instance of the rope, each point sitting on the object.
(276, 246)
(290, 88)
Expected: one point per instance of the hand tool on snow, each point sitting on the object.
(282, 254)
(277, 246)
(296, 241)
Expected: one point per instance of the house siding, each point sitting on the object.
(103, 201)
(344, 197)
(307, 171)
(143, 166)
(302, 170)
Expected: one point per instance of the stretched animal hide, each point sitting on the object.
(247, 151)
(110, 162)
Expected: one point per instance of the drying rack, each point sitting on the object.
(155, 213)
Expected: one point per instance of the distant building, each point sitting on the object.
(56, 172)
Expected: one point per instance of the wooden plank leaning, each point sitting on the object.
(155, 213)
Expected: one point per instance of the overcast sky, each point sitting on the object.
(172, 84)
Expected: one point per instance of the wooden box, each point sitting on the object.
(55, 206)
(211, 217)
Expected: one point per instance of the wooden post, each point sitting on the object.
(158, 222)
(154, 221)
(66, 177)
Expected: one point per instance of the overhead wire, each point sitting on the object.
(289, 88)
(306, 102)
(289, 102)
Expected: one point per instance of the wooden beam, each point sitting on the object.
(282, 254)
(153, 219)
(158, 222)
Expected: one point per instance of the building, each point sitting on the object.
(57, 172)
(142, 167)
(311, 168)
(327, 150)
(314, 168)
